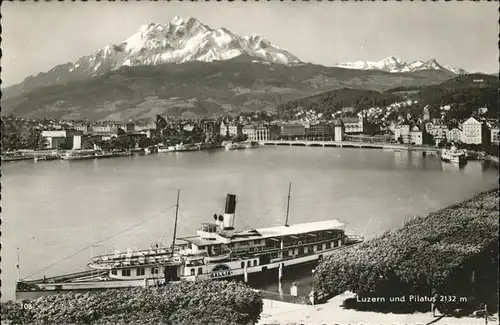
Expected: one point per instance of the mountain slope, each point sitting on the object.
(393, 64)
(199, 89)
(464, 93)
(181, 40)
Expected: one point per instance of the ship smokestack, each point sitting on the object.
(229, 211)
(230, 204)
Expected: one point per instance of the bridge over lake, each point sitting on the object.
(346, 144)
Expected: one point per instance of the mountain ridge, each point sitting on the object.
(393, 64)
(179, 41)
(240, 84)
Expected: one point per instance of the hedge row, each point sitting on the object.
(426, 253)
(207, 302)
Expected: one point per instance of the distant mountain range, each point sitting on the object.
(185, 68)
(393, 64)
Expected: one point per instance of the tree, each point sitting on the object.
(145, 142)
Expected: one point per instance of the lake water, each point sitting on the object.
(53, 209)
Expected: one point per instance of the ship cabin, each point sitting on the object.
(157, 262)
(260, 247)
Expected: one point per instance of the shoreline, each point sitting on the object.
(57, 155)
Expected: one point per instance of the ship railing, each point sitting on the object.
(134, 254)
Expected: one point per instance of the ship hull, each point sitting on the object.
(259, 273)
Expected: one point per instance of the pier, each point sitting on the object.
(346, 144)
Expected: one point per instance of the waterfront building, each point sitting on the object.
(235, 129)
(474, 132)
(62, 139)
(211, 127)
(402, 133)
(338, 126)
(224, 131)
(262, 133)
(293, 131)
(274, 132)
(353, 124)
(249, 131)
(416, 136)
(438, 130)
(494, 134)
(319, 131)
(230, 129)
(99, 136)
(455, 134)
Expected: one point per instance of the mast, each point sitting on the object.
(17, 267)
(175, 224)
(288, 204)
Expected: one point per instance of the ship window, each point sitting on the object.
(328, 245)
(335, 244)
(140, 271)
(319, 247)
(192, 271)
(125, 272)
(242, 264)
(200, 270)
(113, 272)
(256, 242)
(290, 252)
(249, 263)
(154, 270)
(255, 263)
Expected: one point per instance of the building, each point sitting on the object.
(402, 133)
(84, 128)
(293, 131)
(230, 129)
(320, 131)
(474, 132)
(416, 136)
(235, 129)
(437, 130)
(130, 127)
(455, 134)
(100, 128)
(262, 133)
(426, 113)
(250, 132)
(211, 127)
(62, 139)
(353, 124)
(494, 134)
(338, 128)
(274, 132)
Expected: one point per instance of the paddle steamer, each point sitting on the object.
(453, 155)
(217, 251)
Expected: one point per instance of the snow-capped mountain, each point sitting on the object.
(393, 64)
(178, 41)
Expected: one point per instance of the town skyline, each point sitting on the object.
(320, 39)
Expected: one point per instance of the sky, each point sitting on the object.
(36, 36)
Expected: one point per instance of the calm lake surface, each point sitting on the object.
(53, 209)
